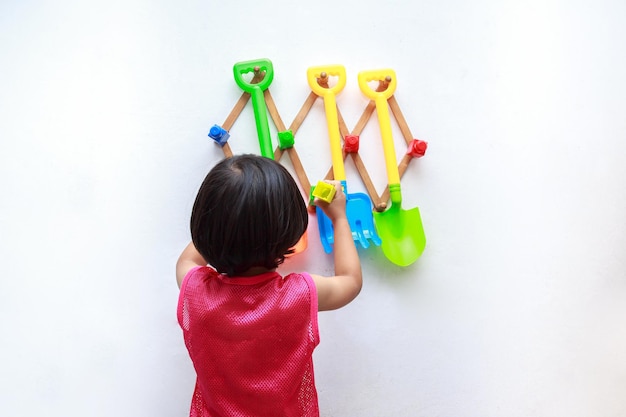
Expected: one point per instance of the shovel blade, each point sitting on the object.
(402, 234)
(359, 212)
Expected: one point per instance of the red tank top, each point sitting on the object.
(251, 341)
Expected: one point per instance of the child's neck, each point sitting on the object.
(256, 270)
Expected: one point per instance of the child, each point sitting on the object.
(250, 332)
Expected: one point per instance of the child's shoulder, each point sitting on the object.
(198, 274)
(300, 276)
(302, 280)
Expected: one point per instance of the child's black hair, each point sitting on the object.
(248, 212)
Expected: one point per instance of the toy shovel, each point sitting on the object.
(258, 102)
(358, 205)
(402, 233)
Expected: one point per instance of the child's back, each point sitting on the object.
(256, 358)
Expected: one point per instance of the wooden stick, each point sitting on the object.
(278, 122)
(278, 153)
(241, 103)
(329, 175)
(306, 107)
(369, 185)
(271, 108)
(236, 111)
(227, 151)
(304, 111)
(397, 113)
(300, 173)
(291, 152)
(365, 117)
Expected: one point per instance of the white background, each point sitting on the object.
(517, 306)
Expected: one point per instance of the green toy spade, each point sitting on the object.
(400, 230)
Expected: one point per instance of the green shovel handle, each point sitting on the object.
(258, 100)
(241, 68)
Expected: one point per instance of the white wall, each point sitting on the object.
(516, 308)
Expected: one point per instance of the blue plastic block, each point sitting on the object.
(219, 135)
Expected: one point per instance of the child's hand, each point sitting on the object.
(336, 209)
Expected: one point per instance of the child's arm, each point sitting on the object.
(337, 291)
(190, 258)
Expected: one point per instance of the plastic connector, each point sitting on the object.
(324, 191)
(285, 139)
(417, 148)
(351, 143)
(219, 135)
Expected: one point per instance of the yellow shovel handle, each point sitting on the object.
(330, 108)
(380, 98)
(393, 176)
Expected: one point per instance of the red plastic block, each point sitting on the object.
(351, 143)
(417, 148)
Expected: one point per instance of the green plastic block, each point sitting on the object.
(285, 139)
